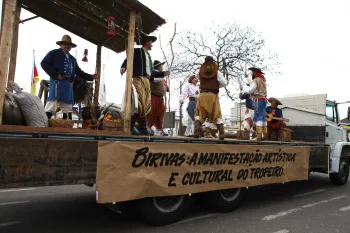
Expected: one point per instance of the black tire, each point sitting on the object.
(342, 176)
(224, 201)
(162, 211)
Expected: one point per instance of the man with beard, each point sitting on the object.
(142, 72)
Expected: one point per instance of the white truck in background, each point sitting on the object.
(313, 118)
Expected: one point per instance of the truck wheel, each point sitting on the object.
(160, 211)
(225, 200)
(342, 176)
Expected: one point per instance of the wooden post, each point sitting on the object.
(13, 56)
(98, 72)
(5, 47)
(129, 72)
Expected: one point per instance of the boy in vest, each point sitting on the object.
(208, 105)
(255, 98)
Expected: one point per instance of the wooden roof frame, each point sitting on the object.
(9, 40)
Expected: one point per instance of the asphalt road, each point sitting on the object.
(312, 206)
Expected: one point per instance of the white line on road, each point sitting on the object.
(309, 193)
(345, 208)
(284, 213)
(196, 218)
(14, 202)
(16, 190)
(282, 231)
(6, 224)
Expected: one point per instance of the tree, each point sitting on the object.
(237, 47)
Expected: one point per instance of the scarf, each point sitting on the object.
(260, 75)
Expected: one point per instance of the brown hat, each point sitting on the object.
(191, 78)
(274, 100)
(208, 69)
(66, 40)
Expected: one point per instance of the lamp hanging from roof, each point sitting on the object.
(85, 59)
(111, 27)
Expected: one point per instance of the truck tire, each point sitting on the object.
(342, 176)
(224, 201)
(160, 211)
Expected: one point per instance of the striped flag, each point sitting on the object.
(35, 79)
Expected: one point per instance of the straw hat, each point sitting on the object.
(274, 100)
(66, 40)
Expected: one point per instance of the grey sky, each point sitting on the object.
(310, 37)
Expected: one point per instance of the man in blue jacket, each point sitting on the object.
(62, 68)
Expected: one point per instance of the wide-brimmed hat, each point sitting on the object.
(272, 99)
(66, 40)
(191, 77)
(208, 69)
(256, 69)
(144, 39)
(157, 63)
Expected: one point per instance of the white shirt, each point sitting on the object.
(220, 77)
(190, 90)
(148, 68)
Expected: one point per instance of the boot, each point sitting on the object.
(221, 131)
(197, 129)
(213, 133)
(259, 133)
(133, 129)
(207, 133)
(266, 132)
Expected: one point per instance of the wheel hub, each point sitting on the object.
(230, 194)
(168, 204)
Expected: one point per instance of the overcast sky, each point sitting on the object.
(310, 37)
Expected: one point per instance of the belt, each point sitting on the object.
(262, 98)
(193, 99)
(209, 91)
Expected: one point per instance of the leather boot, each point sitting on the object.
(221, 131)
(197, 129)
(266, 132)
(207, 133)
(213, 133)
(259, 133)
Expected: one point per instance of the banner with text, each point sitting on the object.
(134, 170)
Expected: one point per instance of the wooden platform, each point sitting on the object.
(64, 131)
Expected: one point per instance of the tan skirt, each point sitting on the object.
(208, 106)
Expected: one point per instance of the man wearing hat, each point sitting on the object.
(255, 98)
(192, 92)
(208, 105)
(142, 71)
(274, 125)
(62, 68)
(158, 91)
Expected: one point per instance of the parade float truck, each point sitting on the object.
(158, 178)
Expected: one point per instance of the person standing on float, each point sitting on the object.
(255, 98)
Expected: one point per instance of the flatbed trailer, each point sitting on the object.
(32, 157)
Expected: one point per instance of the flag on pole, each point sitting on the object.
(35, 78)
(102, 95)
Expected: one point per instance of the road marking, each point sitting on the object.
(6, 224)
(282, 231)
(195, 218)
(309, 193)
(345, 208)
(14, 202)
(15, 190)
(284, 213)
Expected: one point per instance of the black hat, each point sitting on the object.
(144, 39)
(209, 59)
(256, 69)
(157, 63)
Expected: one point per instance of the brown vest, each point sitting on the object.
(158, 89)
(209, 84)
